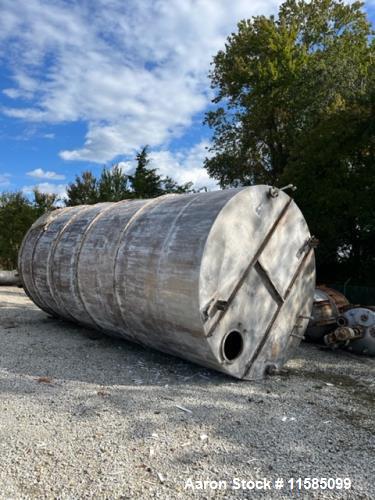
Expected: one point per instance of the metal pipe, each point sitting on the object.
(9, 278)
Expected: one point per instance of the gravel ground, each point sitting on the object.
(86, 416)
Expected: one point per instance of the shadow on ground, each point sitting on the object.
(314, 420)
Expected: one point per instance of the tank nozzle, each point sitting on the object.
(274, 191)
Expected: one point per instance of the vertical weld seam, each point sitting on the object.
(87, 230)
(51, 254)
(166, 242)
(130, 222)
(32, 276)
(38, 301)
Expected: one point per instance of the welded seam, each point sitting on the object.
(87, 230)
(168, 238)
(42, 230)
(268, 283)
(251, 264)
(51, 254)
(39, 302)
(130, 222)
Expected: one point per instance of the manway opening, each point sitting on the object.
(232, 345)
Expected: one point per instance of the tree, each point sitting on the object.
(44, 202)
(113, 185)
(295, 103)
(171, 186)
(84, 190)
(17, 214)
(276, 78)
(146, 183)
(336, 181)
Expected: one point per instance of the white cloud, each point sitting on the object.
(39, 173)
(47, 187)
(185, 166)
(12, 93)
(135, 71)
(4, 180)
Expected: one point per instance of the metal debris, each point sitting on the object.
(182, 408)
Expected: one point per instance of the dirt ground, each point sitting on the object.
(86, 416)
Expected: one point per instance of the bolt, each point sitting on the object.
(221, 305)
(273, 192)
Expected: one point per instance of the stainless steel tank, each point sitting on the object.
(225, 279)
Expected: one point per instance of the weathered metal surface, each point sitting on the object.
(10, 278)
(356, 330)
(337, 323)
(343, 334)
(339, 299)
(224, 279)
(327, 306)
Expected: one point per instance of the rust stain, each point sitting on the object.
(44, 380)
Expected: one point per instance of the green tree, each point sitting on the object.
(83, 191)
(336, 181)
(171, 186)
(17, 214)
(146, 183)
(113, 185)
(295, 103)
(44, 202)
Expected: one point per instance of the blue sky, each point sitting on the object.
(84, 84)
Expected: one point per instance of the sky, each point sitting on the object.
(85, 84)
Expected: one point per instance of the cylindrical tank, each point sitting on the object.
(224, 279)
(9, 278)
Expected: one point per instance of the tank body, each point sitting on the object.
(224, 279)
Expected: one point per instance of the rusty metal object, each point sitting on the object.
(10, 278)
(361, 320)
(224, 279)
(343, 335)
(328, 305)
(339, 299)
(337, 323)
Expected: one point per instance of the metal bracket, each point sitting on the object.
(313, 242)
(221, 305)
(306, 317)
(212, 307)
(274, 191)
